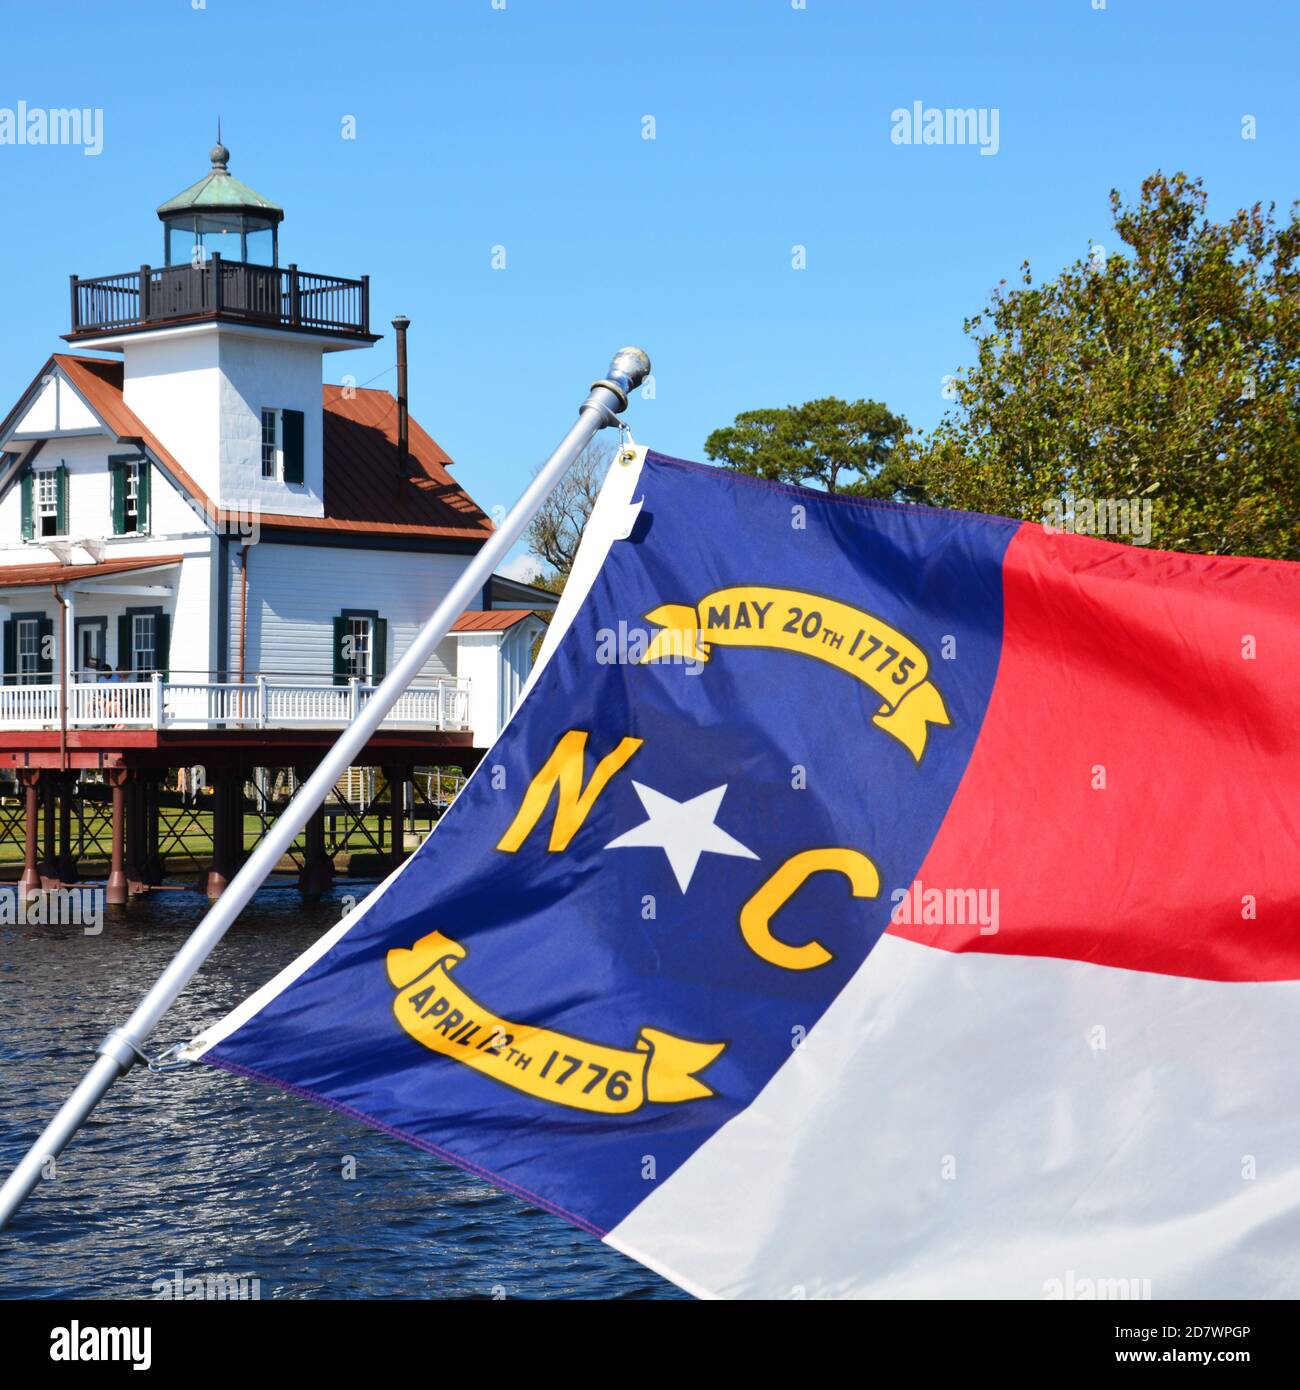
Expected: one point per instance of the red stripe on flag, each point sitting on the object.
(1132, 666)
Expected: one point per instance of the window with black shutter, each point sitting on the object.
(45, 503)
(284, 445)
(144, 641)
(28, 649)
(360, 646)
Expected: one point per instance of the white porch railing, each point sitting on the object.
(259, 704)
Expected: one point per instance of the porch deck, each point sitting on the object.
(264, 703)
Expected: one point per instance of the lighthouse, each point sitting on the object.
(186, 505)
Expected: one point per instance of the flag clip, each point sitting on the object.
(170, 1059)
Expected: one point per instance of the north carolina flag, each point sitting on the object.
(865, 900)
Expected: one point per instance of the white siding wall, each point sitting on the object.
(187, 605)
(190, 656)
(172, 384)
(497, 664)
(267, 373)
(90, 513)
(479, 658)
(57, 407)
(517, 654)
(202, 391)
(295, 591)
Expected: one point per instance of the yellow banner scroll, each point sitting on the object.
(551, 1066)
(848, 638)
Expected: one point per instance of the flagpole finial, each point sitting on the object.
(628, 369)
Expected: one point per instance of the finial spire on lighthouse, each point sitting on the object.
(220, 154)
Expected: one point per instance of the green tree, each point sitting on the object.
(1168, 372)
(842, 446)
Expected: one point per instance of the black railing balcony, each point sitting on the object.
(263, 294)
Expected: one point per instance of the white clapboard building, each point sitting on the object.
(184, 503)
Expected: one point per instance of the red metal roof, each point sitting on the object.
(364, 491)
(29, 576)
(492, 620)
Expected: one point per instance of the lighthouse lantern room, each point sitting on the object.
(220, 216)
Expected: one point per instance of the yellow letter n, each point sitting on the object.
(564, 769)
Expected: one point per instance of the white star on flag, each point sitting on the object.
(683, 830)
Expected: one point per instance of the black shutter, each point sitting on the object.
(117, 494)
(61, 499)
(162, 643)
(293, 426)
(45, 652)
(11, 652)
(29, 523)
(124, 640)
(342, 668)
(379, 650)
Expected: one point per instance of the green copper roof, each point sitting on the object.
(219, 189)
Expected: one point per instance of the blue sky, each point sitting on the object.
(479, 126)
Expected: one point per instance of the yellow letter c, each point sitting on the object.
(756, 915)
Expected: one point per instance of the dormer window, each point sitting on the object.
(282, 445)
(129, 493)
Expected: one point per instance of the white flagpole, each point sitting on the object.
(122, 1047)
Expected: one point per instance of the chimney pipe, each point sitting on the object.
(400, 324)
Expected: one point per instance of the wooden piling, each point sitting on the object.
(30, 882)
(317, 873)
(66, 861)
(116, 890)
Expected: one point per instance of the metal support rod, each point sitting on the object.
(120, 1049)
(400, 325)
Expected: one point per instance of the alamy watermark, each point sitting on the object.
(1099, 516)
(627, 646)
(55, 907)
(41, 125)
(90, 1343)
(211, 1286)
(919, 124)
(919, 906)
(1081, 1287)
(240, 517)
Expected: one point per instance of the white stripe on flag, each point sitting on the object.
(981, 1126)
